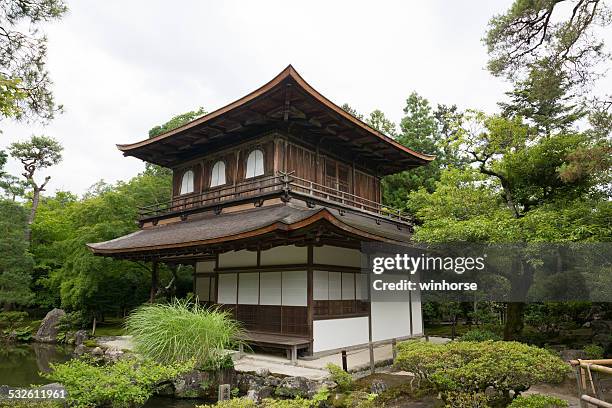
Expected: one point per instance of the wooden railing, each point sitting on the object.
(282, 183)
(587, 377)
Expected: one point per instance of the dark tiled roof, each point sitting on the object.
(207, 227)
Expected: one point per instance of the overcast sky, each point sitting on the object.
(121, 67)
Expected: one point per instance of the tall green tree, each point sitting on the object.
(177, 121)
(67, 273)
(25, 85)
(427, 131)
(37, 153)
(16, 262)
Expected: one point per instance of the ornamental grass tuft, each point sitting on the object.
(181, 331)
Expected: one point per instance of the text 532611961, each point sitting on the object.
(49, 392)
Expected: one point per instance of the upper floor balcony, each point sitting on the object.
(280, 185)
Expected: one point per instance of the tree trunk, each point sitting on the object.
(32, 216)
(154, 282)
(515, 313)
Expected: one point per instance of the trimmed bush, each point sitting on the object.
(480, 335)
(466, 400)
(182, 331)
(471, 367)
(126, 383)
(538, 401)
(340, 377)
(594, 352)
(231, 403)
(266, 403)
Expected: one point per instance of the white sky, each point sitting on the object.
(122, 67)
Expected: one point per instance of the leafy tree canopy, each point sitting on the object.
(25, 85)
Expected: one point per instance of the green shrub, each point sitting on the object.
(231, 403)
(73, 321)
(594, 352)
(288, 403)
(266, 403)
(339, 376)
(23, 333)
(361, 399)
(466, 400)
(480, 335)
(471, 367)
(13, 403)
(126, 383)
(538, 401)
(90, 343)
(181, 331)
(12, 320)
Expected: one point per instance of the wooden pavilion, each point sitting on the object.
(273, 196)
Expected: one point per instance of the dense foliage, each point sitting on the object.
(538, 401)
(340, 377)
(473, 366)
(125, 383)
(16, 262)
(182, 331)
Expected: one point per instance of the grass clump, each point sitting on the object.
(538, 401)
(182, 331)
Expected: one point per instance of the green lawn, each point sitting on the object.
(110, 327)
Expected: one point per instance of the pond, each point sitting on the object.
(20, 364)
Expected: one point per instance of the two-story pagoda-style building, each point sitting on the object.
(273, 195)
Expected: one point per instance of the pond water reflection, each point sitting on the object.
(20, 364)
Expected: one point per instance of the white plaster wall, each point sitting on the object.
(361, 285)
(237, 259)
(202, 288)
(417, 313)
(348, 286)
(330, 255)
(390, 320)
(320, 285)
(270, 288)
(248, 288)
(335, 285)
(295, 288)
(284, 255)
(227, 288)
(205, 267)
(336, 333)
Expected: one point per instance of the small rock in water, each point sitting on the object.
(79, 350)
(80, 336)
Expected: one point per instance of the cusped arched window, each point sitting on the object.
(217, 177)
(255, 164)
(187, 182)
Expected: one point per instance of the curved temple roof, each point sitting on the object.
(286, 101)
(211, 229)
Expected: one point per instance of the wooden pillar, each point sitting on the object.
(154, 281)
(309, 298)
